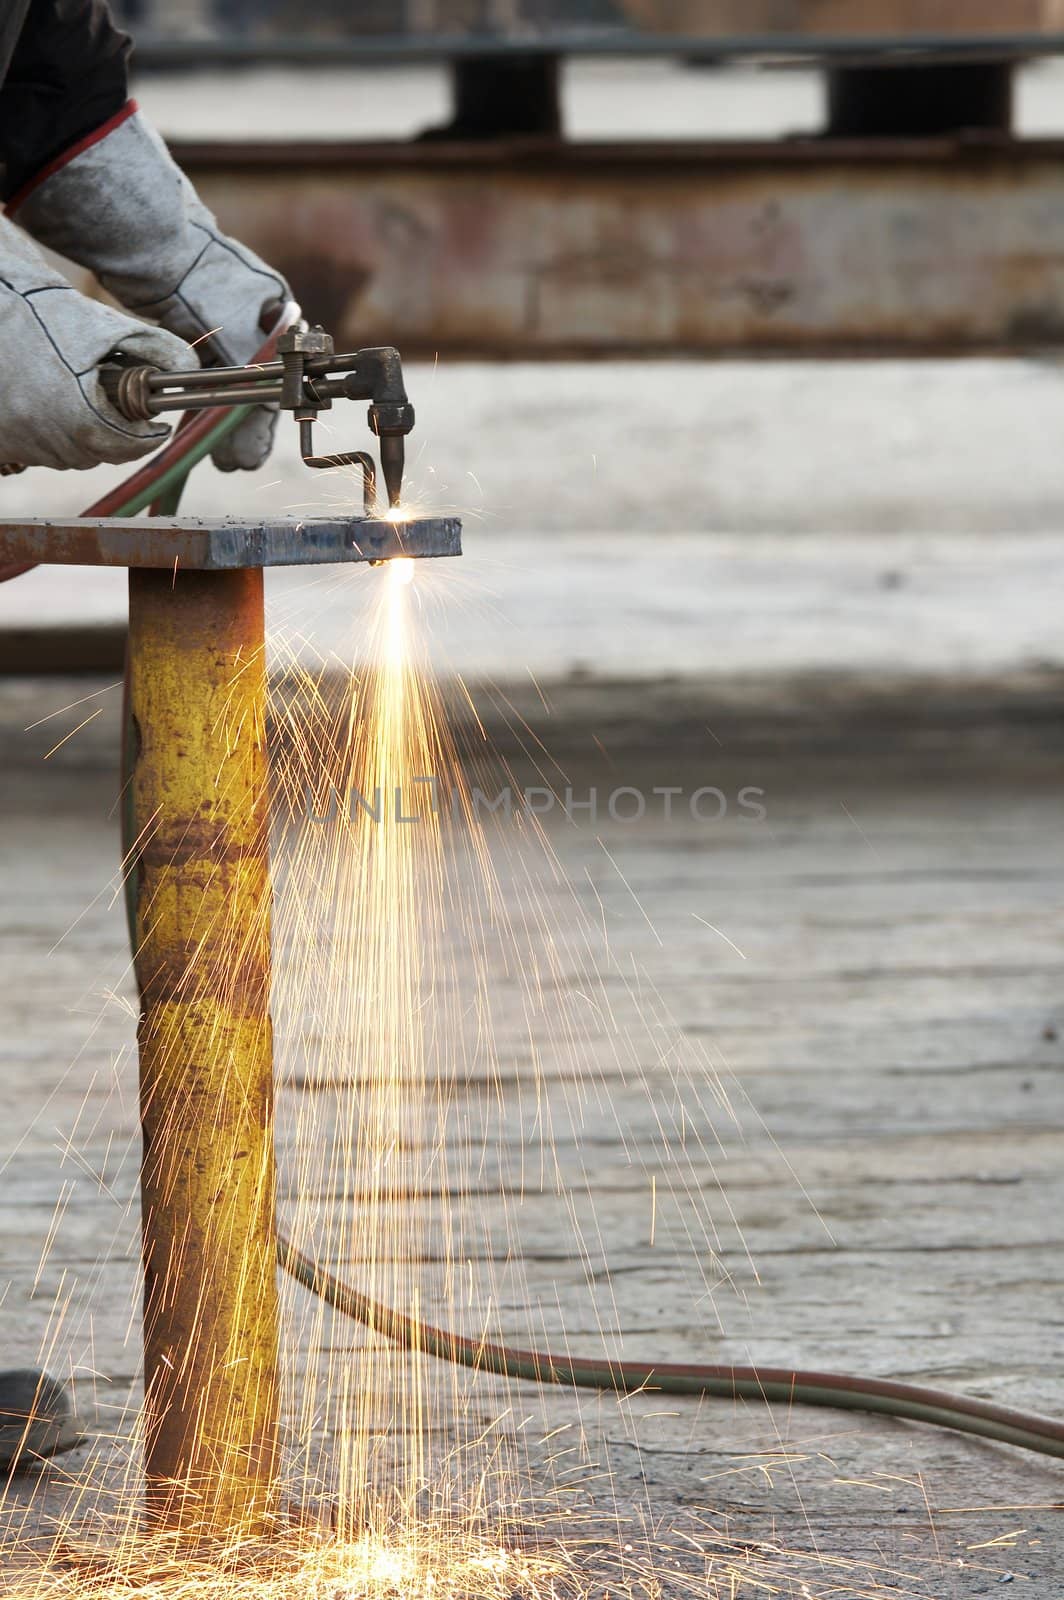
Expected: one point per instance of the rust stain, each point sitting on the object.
(790, 247)
(199, 796)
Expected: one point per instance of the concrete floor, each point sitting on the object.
(853, 1007)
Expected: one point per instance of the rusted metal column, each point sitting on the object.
(197, 702)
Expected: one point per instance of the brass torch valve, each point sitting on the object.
(305, 380)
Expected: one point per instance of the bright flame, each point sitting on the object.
(401, 569)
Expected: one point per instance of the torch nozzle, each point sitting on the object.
(393, 456)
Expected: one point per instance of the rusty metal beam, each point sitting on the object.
(543, 249)
(163, 52)
(809, 20)
(223, 544)
(454, 29)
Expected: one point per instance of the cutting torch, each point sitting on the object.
(305, 380)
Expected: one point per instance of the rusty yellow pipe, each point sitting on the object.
(199, 804)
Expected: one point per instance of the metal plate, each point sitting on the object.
(199, 545)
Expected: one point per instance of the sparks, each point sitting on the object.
(403, 1164)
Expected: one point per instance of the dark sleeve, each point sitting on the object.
(67, 75)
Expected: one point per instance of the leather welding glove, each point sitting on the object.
(119, 205)
(53, 410)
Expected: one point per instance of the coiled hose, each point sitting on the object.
(159, 485)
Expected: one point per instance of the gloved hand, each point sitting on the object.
(121, 207)
(53, 411)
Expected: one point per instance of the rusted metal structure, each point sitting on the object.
(197, 702)
(914, 223)
(194, 544)
(805, 247)
(842, 20)
(197, 864)
(199, 860)
(327, 28)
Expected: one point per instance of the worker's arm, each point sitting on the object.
(63, 71)
(116, 203)
(53, 409)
